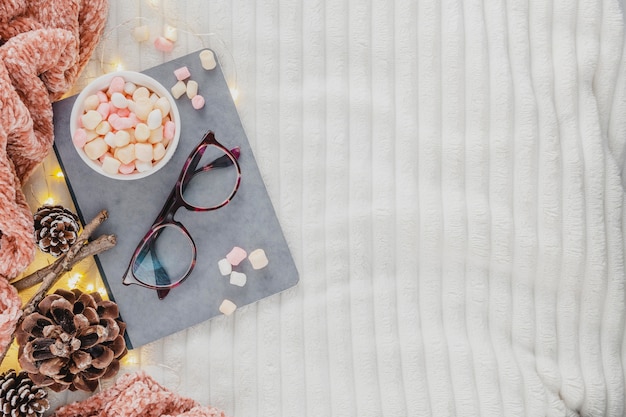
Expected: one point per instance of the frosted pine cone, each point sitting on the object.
(56, 229)
(20, 397)
(71, 341)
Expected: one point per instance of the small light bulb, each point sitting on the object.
(59, 174)
(130, 359)
(90, 287)
(49, 201)
(102, 292)
(73, 280)
(119, 66)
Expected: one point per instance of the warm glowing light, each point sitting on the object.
(59, 174)
(235, 93)
(90, 287)
(119, 66)
(73, 280)
(102, 291)
(130, 359)
(49, 201)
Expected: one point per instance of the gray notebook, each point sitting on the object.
(248, 221)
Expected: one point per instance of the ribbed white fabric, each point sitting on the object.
(449, 177)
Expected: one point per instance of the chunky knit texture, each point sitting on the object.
(44, 47)
(137, 395)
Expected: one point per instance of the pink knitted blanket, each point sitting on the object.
(137, 395)
(44, 45)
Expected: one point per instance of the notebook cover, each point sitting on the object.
(248, 221)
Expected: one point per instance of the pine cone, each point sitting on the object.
(71, 341)
(20, 397)
(56, 229)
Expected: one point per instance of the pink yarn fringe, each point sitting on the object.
(137, 395)
(10, 312)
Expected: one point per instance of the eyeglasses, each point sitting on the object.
(166, 255)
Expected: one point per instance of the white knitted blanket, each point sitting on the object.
(449, 177)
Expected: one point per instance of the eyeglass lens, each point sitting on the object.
(165, 258)
(215, 184)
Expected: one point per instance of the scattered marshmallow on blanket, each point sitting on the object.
(141, 33)
(164, 45)
(170, 33)
(207, 59)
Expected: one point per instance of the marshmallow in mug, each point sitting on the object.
(118, 116)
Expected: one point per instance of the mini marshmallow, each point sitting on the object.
(143, 152)
(154, 119)
(197, 102)
(91, 119)
(141, 33)
(102, 96)
(142, 132)
(140, 92)
(163, 104)
(130, 87)
(238, 278)
(124, 112)
(119, 100)
(121, 123)
(96, 148)
(126, 154)
(170, 33)
(143, 107)
(169, 129)
(91, 135)
(207, 59)
(122, 138)
(178, 89)
(80, 137)
(258, 259)
(104, 109)
(224, 266)
(143, 166)
(109, 138)
(103, 128)
(182, 73)
(116, 85)
(156, 135)
(110, 165)
(164, 45)
(158, 151)
(127, 168)
(192, 88)
(227, 307)
(236, 255)
(92, 102)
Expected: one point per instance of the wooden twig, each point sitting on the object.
(99, 245)
(52, 273)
